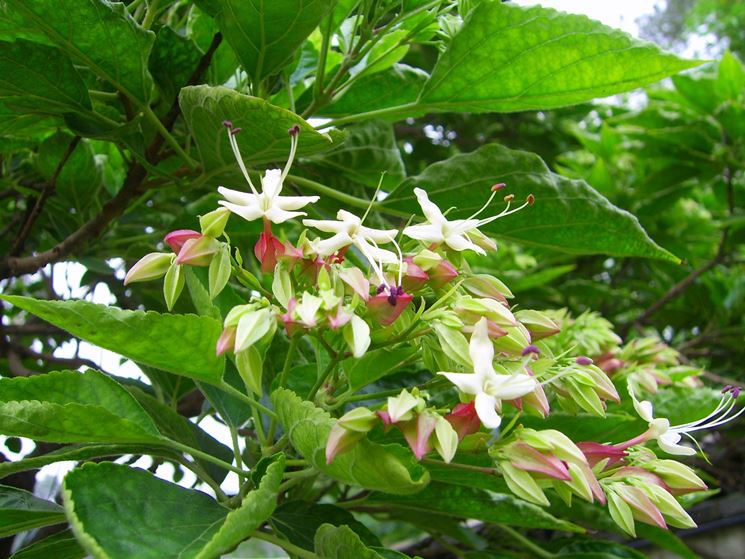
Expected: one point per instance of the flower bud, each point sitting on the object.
(226, 341)
(219, 272)
(678, 477)
(441, 274)
(671, 510)
(149, 267)
(522, 484)
(357, 335)
(360, 420)
(213, 223)
(282, 284)
(417, 433)
(472, 309)
(481, 240)
(642, 508)
(513, 343)
(252, 327)
(400, 407)
(340, 441)
(538, 324)
(198, 251)
(426, 259)
(356, 280)
(173, 285)
(414, 277)
(523, 456)
(176, 239)
(597, 452)
(464, 419)
(446, 439)
(250, 365)
(454, 344)
(385, 307)
(307, 309)
(620, 512)
(267, 249)
(486, 286)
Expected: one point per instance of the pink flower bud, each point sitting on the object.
(417, 433)
(226, 341)
(340, 441)
(596, 452)
(464, 419)
(387, 306)
(442, 274)
(582, 360)
(197, 251)
(414, 277)
(525, 457)
(268, 248)
(176, 239)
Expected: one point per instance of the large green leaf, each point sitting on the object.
(568, 215)
(180, 344)
(20, 510)
(299, 520)
(388, 468)
(119, 512)
(375, 365)
(101, 35)
(368, 153)
(341, 542)
(399, 85)
(467, 502)
(67, 406)
(509, 58)
(61, 545)
(264, 35)
(38, 78)
(264, 126)
(256, 507)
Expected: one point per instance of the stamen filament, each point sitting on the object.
(291, 158)
(486, 205)
(503, 213)
(237, 153)
(723, 403)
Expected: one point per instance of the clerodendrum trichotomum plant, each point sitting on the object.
(376, 389)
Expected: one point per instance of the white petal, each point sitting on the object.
(326, 225)
(378, 254)
(360, 336)
(461, 243)
(486, 410)
(378, 235)
(294, 202)
(348, 217)
(399, 406)
(469, 383)
(271, 182)
(332, 244)
(426, 232)
(510, 387)
(481, 349)
(644, 409)
(429, 209)
(248, 213)
(669, 443)
(238, 197)
(308, 308)
(278, 215)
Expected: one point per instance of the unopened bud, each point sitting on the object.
(446, 439)
(149, 267)
(340, 441)
(198, 251)
(252, 327)
(173, 285)
(226, 341)
(213, 223)
(176, 239)
(357, 335)
(539, 324)
(360, 420)
(418, 432)
(250, 365)
(400, 407)
(582, 360)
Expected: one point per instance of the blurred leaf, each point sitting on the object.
(375, 365)
(340, 542)
(20, 511)
(62, 545)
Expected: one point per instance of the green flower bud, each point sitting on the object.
(213, 223)
(538, 324)
(173, 285)
(149, 267)
(250, 365)
(522, 484)
(360, 420)
(219, 272)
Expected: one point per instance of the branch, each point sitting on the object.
(132, 188)
(46, 192)
(73, 362)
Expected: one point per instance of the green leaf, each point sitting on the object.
(40, 79)
(568, 215)
(388, 468)
(299, 520)
(265, 127)
(172, 62)
(264, 35)
(108, 506)
(509, 58)
(375, 365)
(471, 503)
(177, 343)
(538, 278)
(67, 406)
(399, 85)
(614, 427)
(101, 35)
(255, 508)
(20, 511)
(369, 151)
(341, 542)
(730, 83)
(62, 545)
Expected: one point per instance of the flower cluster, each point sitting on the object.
(350, 289)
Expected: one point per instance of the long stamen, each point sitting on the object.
(486, 205)
(400, 261)
(507, 211)
(380, 260)
(723, 403)
(374, 197)
(237, 152)
(378, 271)
(725, 417)
(294, 133)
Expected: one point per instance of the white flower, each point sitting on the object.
(455, 234)
(348, 230)
(668, 437)
(267, 204)
(489, 387)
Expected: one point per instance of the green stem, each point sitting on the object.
(284, 544)
(202, 474)
(398, 110)
(225, 387)
(457, 466)
(196, 453)
(236, 450)
(321, 379)
(321, 68)
(294, 340)
(152, 11)
(526, 543)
